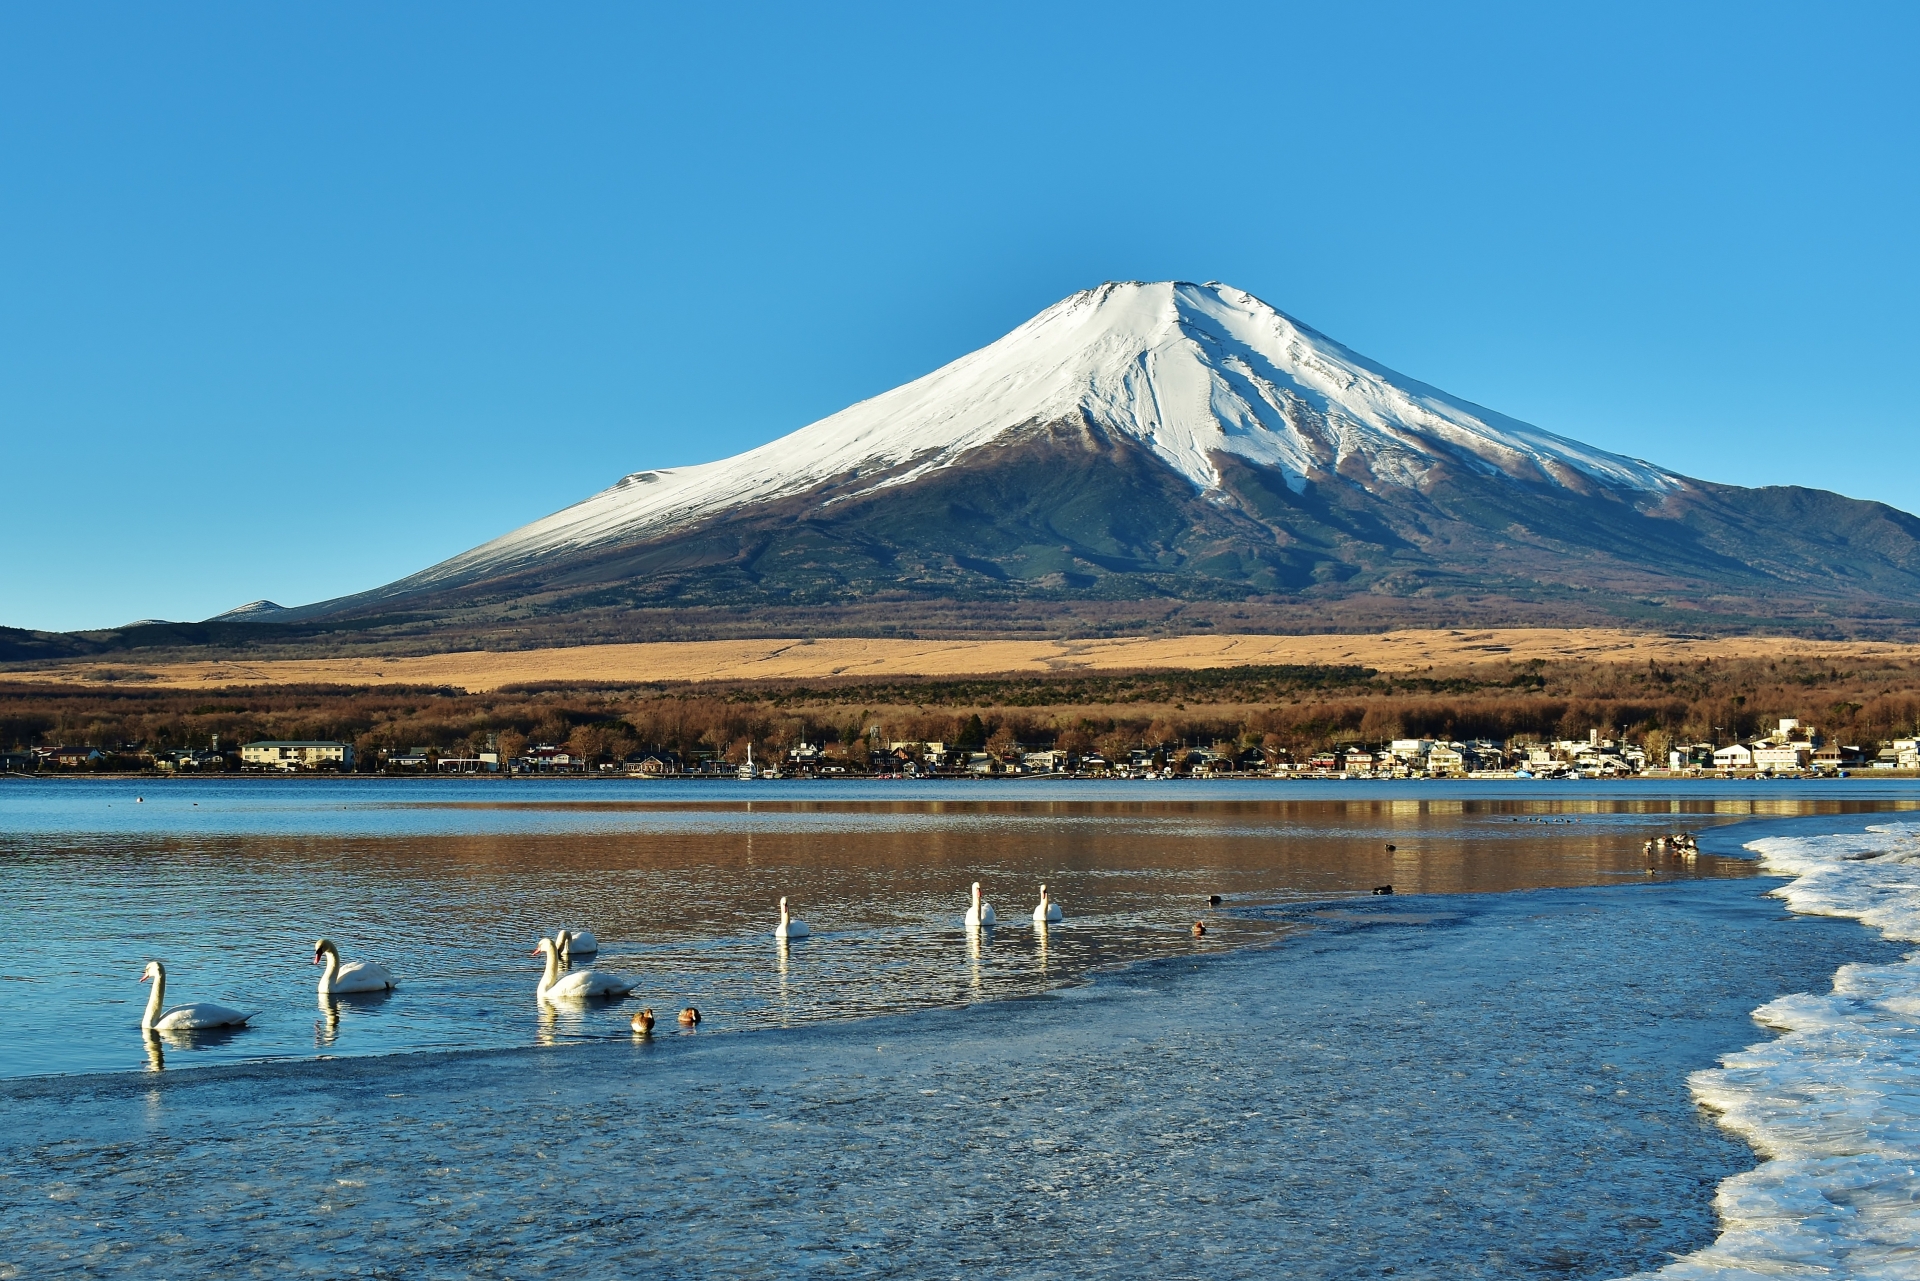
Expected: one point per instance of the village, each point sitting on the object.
(1790, 750)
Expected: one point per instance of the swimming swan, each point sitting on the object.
(788, 927)
(1048, 912)
(980, 915)
(572, 945)
(354, 976)
(183, 1018)
(577, 985)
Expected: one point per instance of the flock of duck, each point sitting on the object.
(1679, 845)
(560, 982)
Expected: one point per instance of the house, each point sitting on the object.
(1733, 757)
(290, 755)
(18, 762)
(548, 759)
(1901, 753)
(1360, 763)
(1778, 757)
(74, 757)
(654, 764)
(1050, 762)
(1836, 756)
(481, 763)
(186, 758)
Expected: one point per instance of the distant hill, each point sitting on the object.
(1152, 457)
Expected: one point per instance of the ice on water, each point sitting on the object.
(1834, 1101)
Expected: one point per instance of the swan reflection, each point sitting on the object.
(783, 955)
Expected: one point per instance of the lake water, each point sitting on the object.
(1485, 1074)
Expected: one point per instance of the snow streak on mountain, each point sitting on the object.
(1190, 371)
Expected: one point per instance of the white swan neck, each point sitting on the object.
(157, 998)
(332, 969)
(553, 968)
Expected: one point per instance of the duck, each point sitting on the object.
(643, 1022)
(1047, 912)
(572, 945)
(1199, 929)
(577, 985)
(183, 1018)
(980, 915)
(788, 927)
(690, 1017)
(354, 976)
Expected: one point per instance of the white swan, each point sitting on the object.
(354, 976)
(980, 915)
(1047, 912)
(572, 945)
(788, 927)
(183, 1018)
(577, 985)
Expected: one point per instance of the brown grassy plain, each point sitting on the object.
(790, 659)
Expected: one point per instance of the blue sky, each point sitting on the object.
(295, 300)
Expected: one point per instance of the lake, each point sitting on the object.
(1329, 1082)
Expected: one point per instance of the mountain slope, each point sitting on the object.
(1160, 455)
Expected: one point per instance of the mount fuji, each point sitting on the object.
(1158, 456)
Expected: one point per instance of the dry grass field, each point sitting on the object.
(793, 659)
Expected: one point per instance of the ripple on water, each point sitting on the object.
(1475, 1086)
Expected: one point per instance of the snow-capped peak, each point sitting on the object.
(1191, 371)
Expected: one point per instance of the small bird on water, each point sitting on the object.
(1213, 900)
(689, 1017)
(643, 1022)
(1199, 929)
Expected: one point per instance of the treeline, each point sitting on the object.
(1281, 709)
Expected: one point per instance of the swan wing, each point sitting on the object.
(581, 984)
(986, 914)
(583, 943)
(612, 984)
(363, 976)
(201, 1014)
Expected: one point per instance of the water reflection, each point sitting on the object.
(677, 892)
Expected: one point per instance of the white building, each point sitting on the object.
(1776, 757)
(1734, 757)
(290, 755)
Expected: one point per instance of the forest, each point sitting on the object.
(1284, 710)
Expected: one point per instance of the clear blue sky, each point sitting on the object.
(296, 299)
